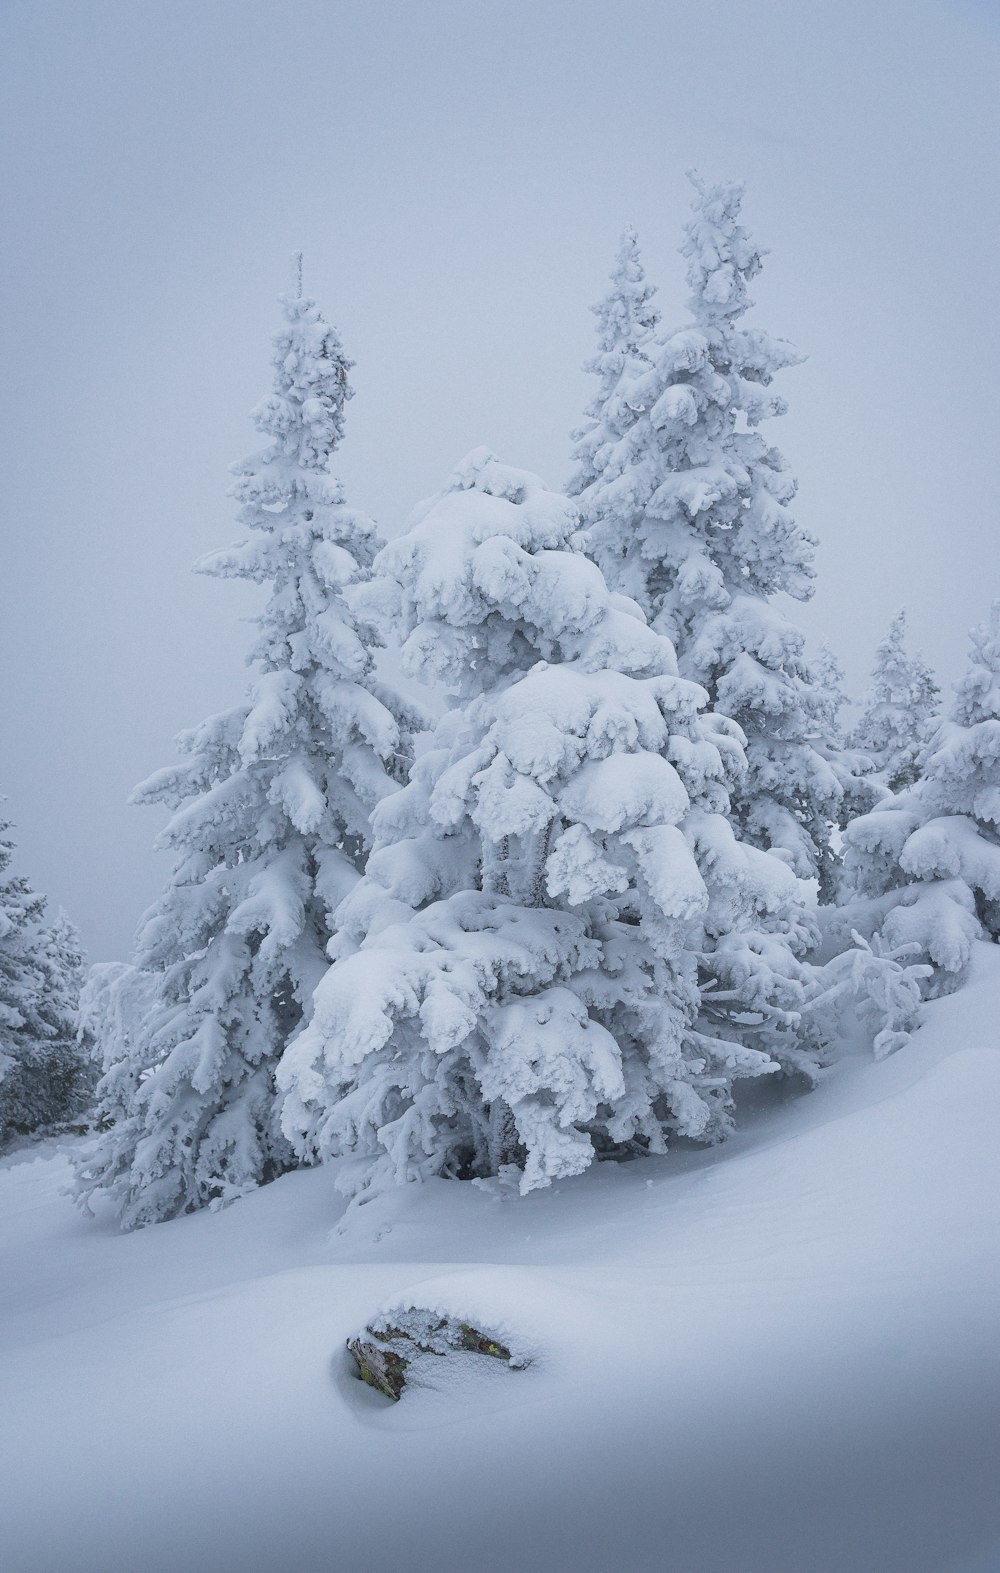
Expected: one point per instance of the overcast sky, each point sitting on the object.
(457, 173)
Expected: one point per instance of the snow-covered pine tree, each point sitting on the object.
(271, 813)
(924, 866)
(61, 959)
(690, 515)
(899, 711)
(859, 790)
(524, 975)
(116, 1004)
(828, 677)
(626, 323)
(20, 984)
(43, 1075)
(861, 990)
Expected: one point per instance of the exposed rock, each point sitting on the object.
(387, 1347)
(379, 1366)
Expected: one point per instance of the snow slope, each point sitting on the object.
(777, 1357)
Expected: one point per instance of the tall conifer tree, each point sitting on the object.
(271, 809)
(690, 513)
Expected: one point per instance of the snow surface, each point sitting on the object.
(780, 1356)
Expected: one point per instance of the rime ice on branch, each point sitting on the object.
(271, 810)
(525, 973)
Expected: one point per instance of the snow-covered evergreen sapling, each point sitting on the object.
(899, 712)
(689, 512)
(43, 1074)
(524, 976)
(271, 808)
(924, 865)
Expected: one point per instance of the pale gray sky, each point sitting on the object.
(457, 174)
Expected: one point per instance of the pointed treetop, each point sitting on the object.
(720, 254)
(305, 412)
(830, 697)
(626, 315)
(898, 711)
(899, 677)
(977, 693)
(897, 631)
(626, 323)
(297, 274)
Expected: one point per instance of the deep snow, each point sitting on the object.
(780, 1356)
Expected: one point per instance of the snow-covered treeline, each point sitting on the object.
(637, 859)
(45, 1073)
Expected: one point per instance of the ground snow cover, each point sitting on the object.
(776, 1357)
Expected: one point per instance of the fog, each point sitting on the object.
(457, 176)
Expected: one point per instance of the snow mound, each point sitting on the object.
(773, 1357)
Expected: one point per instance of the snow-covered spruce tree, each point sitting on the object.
(626, 323)
(859, 790)
(43, 1075)
(61, 959)
(689, 513)
(899, 711)
(859, 990)
(524, 976)
(924, 866)
(117, 1002)
(20, 985)
(271, 809)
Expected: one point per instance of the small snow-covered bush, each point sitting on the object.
(869, 986)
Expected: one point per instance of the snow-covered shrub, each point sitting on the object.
(868, 987)
(688, 508)
(271, 807)
(924, 866)
(43, 1074)
(559, 945)
(899, 712)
